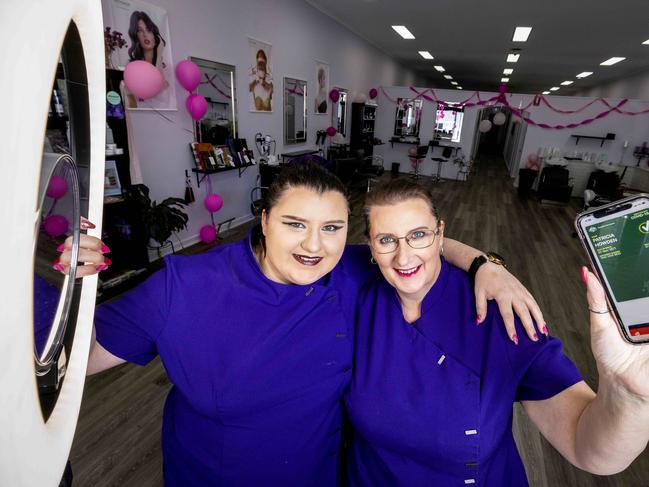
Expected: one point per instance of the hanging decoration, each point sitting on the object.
(373, 93)
(331, 131)
(196, 106)
(57, 187)
(484, 126)
(334, 95)
(213, 202)
(500, 118)
(207, 234)
(143, 79)
(188, 74)
(55, 225)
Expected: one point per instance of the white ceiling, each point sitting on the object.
(471, 39)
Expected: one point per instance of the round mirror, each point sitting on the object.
(58, 218)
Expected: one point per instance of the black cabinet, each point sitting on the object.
(362, 129)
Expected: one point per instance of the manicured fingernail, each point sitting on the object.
(101, 267)
(56, 261)
(107, 261)
(478, 319)
(61, 248)
(535, 337)
(58, 267)
(584, 275)
(105, 249)
(87, 224)
(545, 330)
(515, 338)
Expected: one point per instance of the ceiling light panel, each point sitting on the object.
(455, 83)
(585, 74)
(403, 31)
(448, 76)
(508, 71)
(426, 55)
(554, 88)
(504, 80)
(612, 61)
(566, 83)
(521, 34)
(546, 92)
(459, 88)
(439, 68)
(513, 58)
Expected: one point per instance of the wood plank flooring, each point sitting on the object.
(117, 442)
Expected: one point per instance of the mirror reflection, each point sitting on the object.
(295, 110)
(448, 123)
(62, 198)
(339, 112)
(407, 117)
(218, 86)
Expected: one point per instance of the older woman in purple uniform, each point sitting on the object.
(256, 337)
(431, 394)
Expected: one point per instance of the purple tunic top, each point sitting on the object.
(258, 368)
(431, 402)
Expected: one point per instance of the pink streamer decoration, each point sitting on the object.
(209, 80)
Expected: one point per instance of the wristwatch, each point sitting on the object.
(482, 259)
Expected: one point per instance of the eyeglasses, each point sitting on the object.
(417, 239)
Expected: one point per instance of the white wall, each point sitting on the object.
(218, 31)
(635, 87)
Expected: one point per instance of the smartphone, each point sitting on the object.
(616, 238)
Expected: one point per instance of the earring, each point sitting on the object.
(372, 260)
(441, 251)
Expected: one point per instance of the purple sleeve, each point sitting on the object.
(548, 371)
(129, 327)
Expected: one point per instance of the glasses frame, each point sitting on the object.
(405, 237)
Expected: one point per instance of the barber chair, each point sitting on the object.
(416, 158)
(554, 184)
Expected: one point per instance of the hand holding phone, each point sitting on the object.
(616, 238)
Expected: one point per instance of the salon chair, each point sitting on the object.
(415, 160)
(554, 184)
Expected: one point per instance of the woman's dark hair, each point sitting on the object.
(307, 175)
(261, 54)
(396, 191)
(135, 52)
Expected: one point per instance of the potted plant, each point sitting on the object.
(160, 219)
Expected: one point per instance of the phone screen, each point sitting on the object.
(621, 247)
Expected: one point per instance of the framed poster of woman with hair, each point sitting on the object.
(321, 103)
(146, 30)
(260, 76)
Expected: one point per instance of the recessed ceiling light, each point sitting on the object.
(403, 31)
(521, 34)
(439, 68)
(546, 92)
(646, 43)
(513, 58)
(612, 61)
(448, 76)
(585, 74)
(566, 83)
(426, 55)
(454, 83)
(554, 88)
(508, 71)
(504, 80)
(459, 88)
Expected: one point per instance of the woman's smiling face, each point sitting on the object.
(305, 235)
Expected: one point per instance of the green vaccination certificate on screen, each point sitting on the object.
(622, 248)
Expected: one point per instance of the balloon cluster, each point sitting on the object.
(213, 203)
(55, 225)
(189, 77)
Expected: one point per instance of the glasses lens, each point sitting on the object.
(384, 244)
(420, 239)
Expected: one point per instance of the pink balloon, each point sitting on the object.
(196, 106)
(208, 233)
(334, 95)
(412, 152)
(373, 93)
(533, 159)
(55, 225)
(57, 187)
(213, 202)
(331, 131)
(188, 74)
(143, 79)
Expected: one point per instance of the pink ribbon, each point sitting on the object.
(209, 80)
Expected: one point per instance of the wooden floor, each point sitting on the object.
(117, 442)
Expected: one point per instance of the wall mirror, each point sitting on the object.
(218, 86)
(295, 110)
(448, 123)
(339, 113)
(407, 117)
(63, 197)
